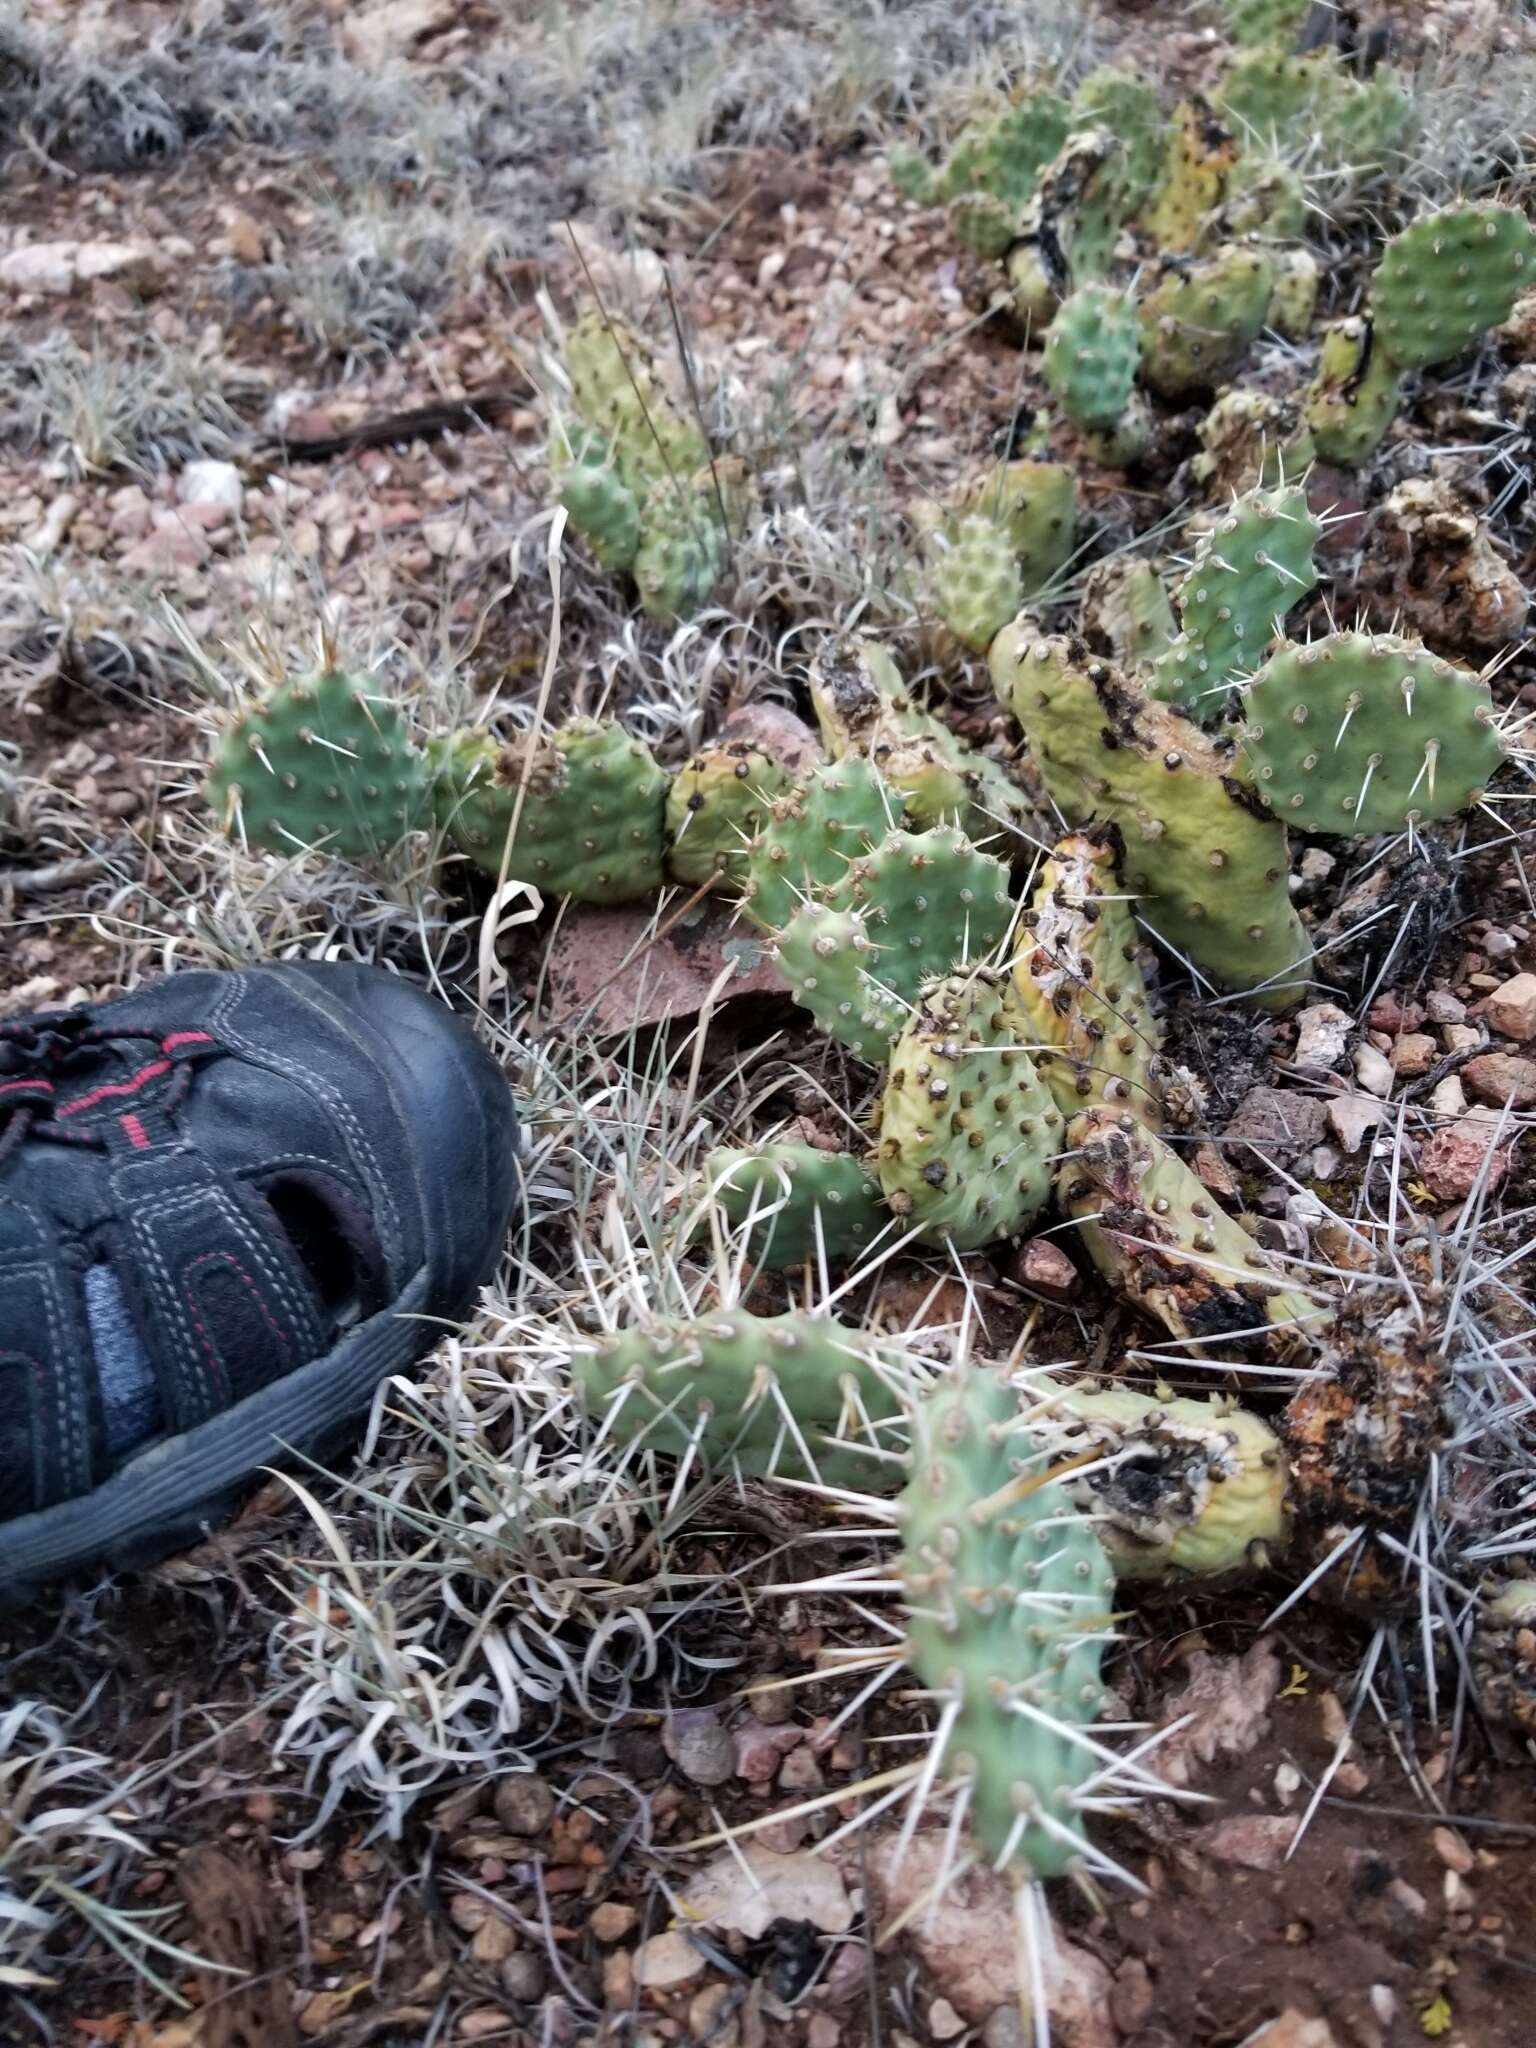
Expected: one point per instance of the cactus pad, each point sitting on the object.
(974, 580)
(1251, 22)
(1354, 396)
(716, 806)
(968, 1130)
(1207, 863)
(1158, 1235)
(1008, 1592)
(1091, 351)
(790, 1396)
(1248, 439)
(1248, 571)
(1201, 314)
(683, 549)
(323, 762)
(799, 1202)
(1129, 108)
(833, 968)
(617, 389)
(1201, 1487)
(1196, 160)
(1449, 277)
(592, 823)
(1362, 732)
(841, 810)
(1080, 985)
(1036, 503)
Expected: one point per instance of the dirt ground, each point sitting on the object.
(1358, 1866)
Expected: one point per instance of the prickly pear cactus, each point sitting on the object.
(1449, 277)
(617, 390)
(1035, 297)
(1250, 439)
(1201, 1488)
(322, 762)
(790, 1396)
(1251, 22)
(602, 507)
(1080, 984)
(1354, 396)
(1363, 732)
(1092, 348)
(683, 549)
(834, 970)
(1036, 505)
(592, 822)
(1008, 1591)
(716, 806)
(1201, 314)
(1124, 601)
(863, 708)
(1158, 1235)
(968, 1130)
(1207, 864)
(1298, 279)
(974, 579)
(842, 809)
(800, 1203)
(1198, 155)
(1249, 570)
(1265, 197)
(1130, 109)
(1268, 92)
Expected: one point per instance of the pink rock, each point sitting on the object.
(1500, 1077)
(1045, 1269)
(1451, 1162)
(171, 544)
(1255, 1841)
(760, 1750)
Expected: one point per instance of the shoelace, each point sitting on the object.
(35, 1056)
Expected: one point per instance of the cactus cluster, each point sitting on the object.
(635, 474)
(998, 546)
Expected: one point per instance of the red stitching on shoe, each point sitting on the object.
(150, 1073)
(37, 1082)
(285, 1348)
(138, 1137)
(186, 1038)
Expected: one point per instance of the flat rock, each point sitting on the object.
(759, 1750)
(1292, 2030)
(1500, 1077)
(47, 268)
(667, 1959)
(1352, 1118)
(1373, 1070)
(1225, 1708)
(700, 1744)
(745, 1889)
(608, 958)
(1414, 1053)
(1452, 1162)
(1254, 1841)
(779, 733)
(212, 483)
(1511, 1009)
(1279, 1124)
(1045, 1269)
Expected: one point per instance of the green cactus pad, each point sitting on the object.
(1353, 398)
(1158, 1235)
(1363, 732)
(1129, 108)
(592, 823)
(1251, 22)
(1249, 570)
(1208, 865)
(683, 549)
(1008, 1592)
(1265, 197)
(1201, 1488)
(1092, 349)
(842, 809)
(1269, 93)
(602, 507)
(1080, 984)
(799, 1202)
(932, 901)
(1036, 502)
(968, 1130)
(1449, 277)
(716, 807)
(835, 970)
(790, 1397)
(912, 175)
(323, 762)
(1200, 315)
(616, 389)
(1198, 155)
(974, 579)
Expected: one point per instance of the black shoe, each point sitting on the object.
(230, 1205)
